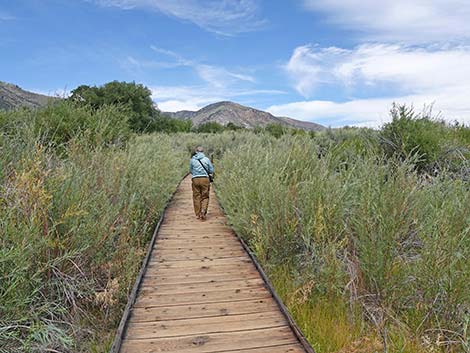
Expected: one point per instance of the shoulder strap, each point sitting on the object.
(202, 164)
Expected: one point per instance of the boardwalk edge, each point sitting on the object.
(116, 346)
(292, 324)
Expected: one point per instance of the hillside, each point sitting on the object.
(12, 96)
(229, 112)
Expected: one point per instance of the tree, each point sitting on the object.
(135, 98)
(277, 130)
(164, 123)
(211, 127)
(232, 127)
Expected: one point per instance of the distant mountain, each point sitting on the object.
(12, 96)
(229, 112)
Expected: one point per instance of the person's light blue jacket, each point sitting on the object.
(196, 169)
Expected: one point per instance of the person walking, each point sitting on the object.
(201, 170)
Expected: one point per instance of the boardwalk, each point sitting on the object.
(201, 291)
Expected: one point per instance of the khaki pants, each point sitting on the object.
(201, 188)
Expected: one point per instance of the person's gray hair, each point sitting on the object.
(199, 149)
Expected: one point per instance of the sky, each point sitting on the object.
(334, 62)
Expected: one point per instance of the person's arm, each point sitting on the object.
(191, 166)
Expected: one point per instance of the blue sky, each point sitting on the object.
(335, 62)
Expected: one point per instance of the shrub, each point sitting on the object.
(163, 123)
(210, 127)
(276, 130)
(59, 123)
(436, 145)
(232, 127)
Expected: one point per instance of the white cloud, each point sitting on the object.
(195, 104)
(177, 59)
(219, 76)
(310, 67)
(174, 98)
(370, 112)
(394, 69)
(402, 20)
(408, 68)
(131, 63)
(216, 76)
(58, 92)
(420, 75)
(225, 17)
(5, 16)
(217, 83)
(374, 112)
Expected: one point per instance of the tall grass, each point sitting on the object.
(358, 235)
(75, 219)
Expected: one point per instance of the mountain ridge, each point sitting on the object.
(226, 112)
(13, 96)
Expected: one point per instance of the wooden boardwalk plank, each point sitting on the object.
(196, 264)
(288, 348)
(212, 285)
(249, 306)
(206, 325)
(213, 342)
(149, 298)
(178, 255)
(201, 291)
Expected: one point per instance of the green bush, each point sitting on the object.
(276, 130)
(232, 127)
(435, 145)
(210, 127)
(162, 123)
(61, 122)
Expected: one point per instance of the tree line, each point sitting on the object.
(135, 100)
